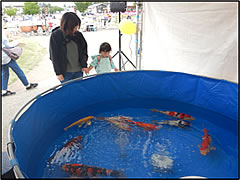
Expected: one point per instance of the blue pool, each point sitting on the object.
(136, 153)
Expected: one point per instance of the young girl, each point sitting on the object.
(103, 62)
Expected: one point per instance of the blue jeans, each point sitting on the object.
(72, 75)
(5, 74)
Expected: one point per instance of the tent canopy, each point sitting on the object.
(195, 38)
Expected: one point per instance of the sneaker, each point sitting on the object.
(31, 86)
(7, 93)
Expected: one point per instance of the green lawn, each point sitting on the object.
(32, 54)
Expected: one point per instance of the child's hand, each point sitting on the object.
(116, 69)
(85, 70)
(109, 56)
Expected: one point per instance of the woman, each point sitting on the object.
(68, 49)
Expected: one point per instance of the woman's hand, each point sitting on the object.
(60, 77)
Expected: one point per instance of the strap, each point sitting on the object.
(98, 58)
(6, 51)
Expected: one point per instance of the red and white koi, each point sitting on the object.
(181, 116)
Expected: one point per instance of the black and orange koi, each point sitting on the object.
(81, 170)
(75, 141)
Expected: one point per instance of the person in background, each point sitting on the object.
(103, 62)
(68, 49)
(7, 63)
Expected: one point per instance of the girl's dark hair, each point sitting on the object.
(105, 47)
(68, 22)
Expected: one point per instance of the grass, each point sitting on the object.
(31, 56)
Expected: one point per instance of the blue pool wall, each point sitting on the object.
(43, 122)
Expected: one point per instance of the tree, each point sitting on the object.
(50, 9)
(82, 6)
(11, 11)
(53, 9)
(31, 8)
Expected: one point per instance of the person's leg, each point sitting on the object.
(14, 66)
(5, 77)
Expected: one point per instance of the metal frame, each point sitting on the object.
(139, 29)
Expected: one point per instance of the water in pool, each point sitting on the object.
(166, 152)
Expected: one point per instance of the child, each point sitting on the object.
(103, 62)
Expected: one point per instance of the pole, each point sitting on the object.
(137, 16)
(120, 43)
(120, 50)
(140, 48)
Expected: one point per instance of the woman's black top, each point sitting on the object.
(58, 50)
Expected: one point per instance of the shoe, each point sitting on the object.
(31, 86)
(8, 93)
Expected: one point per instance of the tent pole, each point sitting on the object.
(141, 30)
(137, 16)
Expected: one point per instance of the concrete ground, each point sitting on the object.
(44, 75)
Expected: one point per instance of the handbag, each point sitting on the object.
(14, 52)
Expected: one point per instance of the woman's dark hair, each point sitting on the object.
(68, 22)
(105, 47)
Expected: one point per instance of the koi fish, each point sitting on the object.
(205, 145)
(175, 114)
(178, 123)
(146, 126)
(74, 141)
(82, 170)
(83, 120)
(117, 121)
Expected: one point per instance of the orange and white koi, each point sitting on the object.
(117, 121)
(181, 116)
(205, 145)
(146, 126)
(83, 120)
(81, 170)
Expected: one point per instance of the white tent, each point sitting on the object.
(195, 38)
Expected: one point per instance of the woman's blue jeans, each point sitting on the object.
(5, 74)
(72, 75)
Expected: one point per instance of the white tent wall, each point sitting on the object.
(195, 38)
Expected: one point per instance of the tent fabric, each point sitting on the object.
(198, 38)
(50, 113)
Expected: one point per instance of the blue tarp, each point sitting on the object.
(45, 119)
